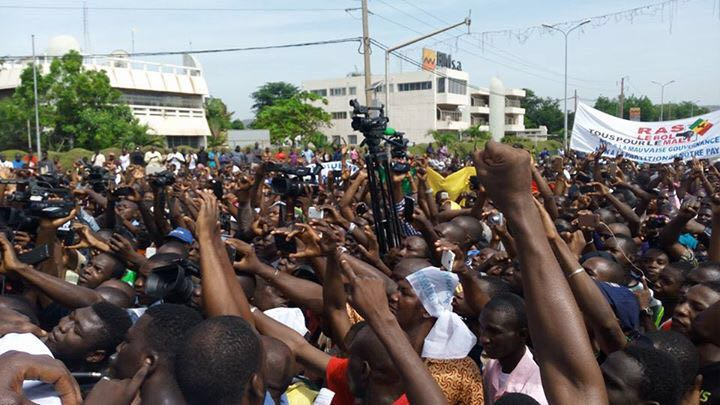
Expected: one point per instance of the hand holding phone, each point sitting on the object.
(447, 260)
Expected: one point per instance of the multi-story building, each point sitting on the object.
(418, 102)
(167, 98)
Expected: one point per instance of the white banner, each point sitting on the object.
(651, 142)
(335, 165)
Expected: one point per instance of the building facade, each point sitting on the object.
(167, 98)
(418, 103)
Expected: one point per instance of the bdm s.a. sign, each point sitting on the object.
(432, 59)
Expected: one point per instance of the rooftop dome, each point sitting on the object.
(62, 44)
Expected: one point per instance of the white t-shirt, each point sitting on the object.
(7, 164)
(36, 391)
(124, 161)
(98, 160)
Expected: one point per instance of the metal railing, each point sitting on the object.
(510, 102)
(168, 112)
(449, 115)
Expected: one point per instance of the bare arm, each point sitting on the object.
(714, 249)
(335, 302)
(567, 366)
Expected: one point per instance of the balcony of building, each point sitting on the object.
(450, 120)
(172, 120)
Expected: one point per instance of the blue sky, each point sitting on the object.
(682, 43)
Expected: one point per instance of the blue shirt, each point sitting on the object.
(18, 164)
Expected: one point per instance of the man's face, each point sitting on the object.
(413, 247)
(98, 270)
(653, 263)
(623, 377)
(615, 248)
(450, 233)
(697, 299)
(131, 353)
(704, 216)
(76, 335)
(406, 306)
(499, 335)
(668, 284)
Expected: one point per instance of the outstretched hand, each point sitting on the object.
(505, 172)
(367, 295)
(248, 259)
(10, 260)
(118, 392)
(18, 367)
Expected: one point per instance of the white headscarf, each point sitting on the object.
(450, 338)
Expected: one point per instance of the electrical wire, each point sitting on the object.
(221, 50)
(223, 9)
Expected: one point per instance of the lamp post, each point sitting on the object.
(662, 95)
(412, 41)
(565, 34)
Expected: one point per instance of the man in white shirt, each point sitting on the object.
(124, 160)
(176, 159)
(5, 163)
(98, 159)
(154, 161)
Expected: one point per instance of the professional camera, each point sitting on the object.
(372, 127)
(40, 197)
(98, 177)
(163, 179)
(173, 283)
(290, 182)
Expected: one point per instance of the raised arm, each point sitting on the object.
(714, 249)
(567, 366)
(598, 313)
(370, 300)
(671, 232)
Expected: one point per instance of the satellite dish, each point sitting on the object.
(118, 58)
(62, 44)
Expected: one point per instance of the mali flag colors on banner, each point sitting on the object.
(453, 184)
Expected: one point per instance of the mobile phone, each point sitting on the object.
(496, 219)
(123, 192)
(583, 177)
(361, 208)
(315, 213)
(447, 260)
(587, 221)
(231, 251)
(35, 256)
(217, 188)
(587, 189)
(409, 209)
(285, 245)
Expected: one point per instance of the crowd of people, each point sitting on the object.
(173, 278)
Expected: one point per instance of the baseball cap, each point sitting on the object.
(181, 234)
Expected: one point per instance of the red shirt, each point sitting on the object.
(337, 381)
(280, 156)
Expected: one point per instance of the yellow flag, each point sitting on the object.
(453, 184)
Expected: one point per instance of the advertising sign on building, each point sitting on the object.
(635, 114)
(429, 59)
(651, 142)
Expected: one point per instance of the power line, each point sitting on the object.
(458, 38)
(224, 9)
(221, 50)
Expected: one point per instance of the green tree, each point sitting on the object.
(542, 111)
(269, 93)
(237, 124)
(77, 106)
(141, 139)
(475, 134)
(218, 117)
(288, 118)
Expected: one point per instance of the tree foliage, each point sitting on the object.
(271, 92)
(648, 110)
(218, 117)
(475, 134)
(288, 118)
(237, 124)
(78, 108)
(543, 111)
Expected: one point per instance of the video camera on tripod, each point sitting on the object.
(42, 197)
(372, 122)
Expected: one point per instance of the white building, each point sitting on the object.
(419, 102)
(167, 98)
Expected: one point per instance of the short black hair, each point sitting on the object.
(681, 349)
(516, 398)
(116, 323)
(713, 285)
(660, 374)
(495, 285)
(118, 269)
(216, 361)
(510, 304)
(169, 323)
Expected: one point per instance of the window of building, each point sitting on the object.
(509, 120)
(441, 85)
(339, 115)
(415, 86)
(177, 141)
(457, 86)
(352, 90)
(336, 139)
(320, 92)
(161, 100)
(338, 91)
(352, 139)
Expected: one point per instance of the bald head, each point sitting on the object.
(606, 270)
(406, 267)
(472, 227)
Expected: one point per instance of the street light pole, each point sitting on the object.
(388, 51)
(565, 98)
(662, 95)
(37, 110)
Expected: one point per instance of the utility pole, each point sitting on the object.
(662, 95)
(621, 100)
(366, 53)
(35, 92)
(576, 100)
